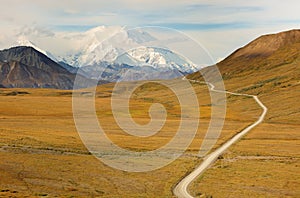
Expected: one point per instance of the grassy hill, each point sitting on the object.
(267, 67)
(265, 162)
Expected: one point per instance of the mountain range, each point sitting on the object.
(123, 56)
(29, 66)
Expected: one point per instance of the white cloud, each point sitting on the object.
(35, 31)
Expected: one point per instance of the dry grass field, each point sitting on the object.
(263, 164)
(42, 154)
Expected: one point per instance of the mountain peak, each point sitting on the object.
(22, 41)
(267, 44)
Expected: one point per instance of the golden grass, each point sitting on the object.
(265, 163)
(42, 154)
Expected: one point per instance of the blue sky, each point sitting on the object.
(221, 26)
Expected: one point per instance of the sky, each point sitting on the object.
(220, 26)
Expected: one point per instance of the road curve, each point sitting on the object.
(181, 189)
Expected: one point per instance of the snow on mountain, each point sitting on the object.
(95, 49)
(115, 50)
(149, 56)
(106, 44)
(24, 42)
(92, 47)
(157, 58)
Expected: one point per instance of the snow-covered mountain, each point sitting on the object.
(157, 58)
(112, 51)
(104, 44)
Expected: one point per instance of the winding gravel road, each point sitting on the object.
(181, 189)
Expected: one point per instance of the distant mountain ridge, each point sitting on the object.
(123, 50)
(27, 67)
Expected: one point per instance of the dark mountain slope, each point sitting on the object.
(26, 67)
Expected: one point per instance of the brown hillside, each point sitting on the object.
(267, 44)
(267, 67)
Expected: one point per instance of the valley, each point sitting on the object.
(41, 157)
(42, 153)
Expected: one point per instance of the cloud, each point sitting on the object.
(64, 13)
(73, 28)
(34, 31)
(206, 26)
(71, 11)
